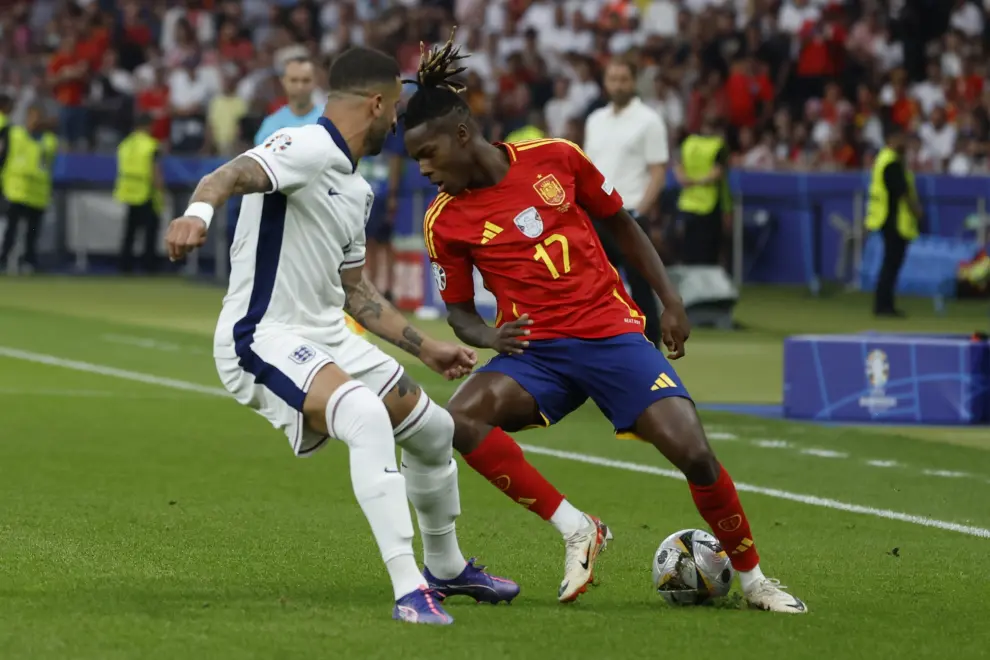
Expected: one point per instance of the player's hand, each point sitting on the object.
(675, 330)
(184, 235)
(452, 361)
(507, 336)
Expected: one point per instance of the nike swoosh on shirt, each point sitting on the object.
(332, 192)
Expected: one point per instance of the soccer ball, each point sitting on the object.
(691, 568)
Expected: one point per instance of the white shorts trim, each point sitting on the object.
(289, 363)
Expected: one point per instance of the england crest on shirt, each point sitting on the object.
(302, 355)
(529, 223)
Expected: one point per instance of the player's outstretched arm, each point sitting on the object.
(473, 330)
(241, 176)
(369, 308)
(639, 251)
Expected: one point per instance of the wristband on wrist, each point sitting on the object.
(201, 210)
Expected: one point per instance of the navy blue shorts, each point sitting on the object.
(623, 375)
(379, 228)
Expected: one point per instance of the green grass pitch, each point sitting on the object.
(157, 519)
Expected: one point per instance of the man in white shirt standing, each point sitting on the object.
(282, 346)
(627, 141)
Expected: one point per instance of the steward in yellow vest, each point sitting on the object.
(27, 184)
(894, 212)
(704, 197)
(6, 105)
(139, 188)
(535, 129)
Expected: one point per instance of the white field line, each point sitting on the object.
(152, 344)
(810, 500)
(91, 394)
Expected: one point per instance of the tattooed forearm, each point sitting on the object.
(241, 176)
(371, 310)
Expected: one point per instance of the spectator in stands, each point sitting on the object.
(895, 212)
(938, 141)
(153, 100)
(111, 102)
(223, 119)
(558, 110)
(189, 90)
(67, 72)
(753, 155)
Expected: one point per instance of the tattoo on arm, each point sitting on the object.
(367, 306)
(241, 176)
(406, 385)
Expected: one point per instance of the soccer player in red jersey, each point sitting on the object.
(566, 329)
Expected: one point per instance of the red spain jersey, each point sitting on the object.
(532, 240)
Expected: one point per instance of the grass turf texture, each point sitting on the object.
(139, 521)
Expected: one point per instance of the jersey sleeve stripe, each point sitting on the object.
(432, 213)
(265, 166)
(533, 144)
(357, 263)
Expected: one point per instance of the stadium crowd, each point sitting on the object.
(801, 84)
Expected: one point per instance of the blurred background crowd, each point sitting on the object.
(801, 84)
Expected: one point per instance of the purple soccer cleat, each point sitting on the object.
(476, 583)
(422, 606)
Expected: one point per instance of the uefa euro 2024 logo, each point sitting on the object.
(877, 375)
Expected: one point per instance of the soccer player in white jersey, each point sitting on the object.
(283, 349)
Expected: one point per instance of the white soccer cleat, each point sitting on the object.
(583, 549)
(767, 594)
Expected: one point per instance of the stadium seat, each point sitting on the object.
(930, 267)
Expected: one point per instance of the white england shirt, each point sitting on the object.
(624, 144)
(292, 243)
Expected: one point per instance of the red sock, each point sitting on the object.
(500, 460)
(719, 505)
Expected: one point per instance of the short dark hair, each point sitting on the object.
(359, 68)
(626, 62)
(296, 59)
(437, 93)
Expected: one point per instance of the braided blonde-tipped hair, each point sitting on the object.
(438, 65)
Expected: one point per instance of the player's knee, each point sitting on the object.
(356, 416)
(469, 432)
(699, 465)
(427, 433)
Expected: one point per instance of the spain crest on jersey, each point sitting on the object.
(550, 190)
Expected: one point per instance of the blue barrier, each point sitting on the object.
(813, 213)
(930, 266)
(869, 377)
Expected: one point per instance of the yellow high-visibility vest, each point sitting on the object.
(525, 133)
(136, 169)
(698, 156)
(27, 176)
(879, 206)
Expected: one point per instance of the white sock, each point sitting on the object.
(749, 579)
(426, 438)
(356, 416)
(567, 519)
